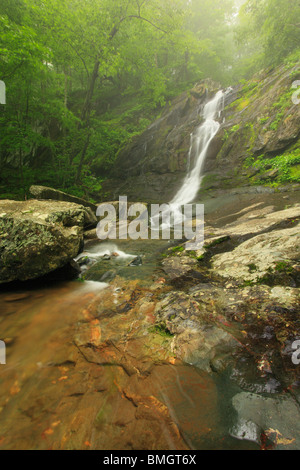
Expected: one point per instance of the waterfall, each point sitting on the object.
(200, 142)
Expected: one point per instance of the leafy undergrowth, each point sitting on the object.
(63, 180)
(274, 171)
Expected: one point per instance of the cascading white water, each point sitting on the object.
(200, 142)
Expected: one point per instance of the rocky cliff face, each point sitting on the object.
(263, 121)
(259, 118)
(154, 164)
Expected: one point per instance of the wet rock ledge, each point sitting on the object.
(234, 312)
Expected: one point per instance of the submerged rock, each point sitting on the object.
(261, 418)
(39, 237)
(84, 260)
(199, 336)
(137, 261)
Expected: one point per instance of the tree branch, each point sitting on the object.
(139, 7)
(116, 28)
(148, 21)
(81, 58)
(5, 77)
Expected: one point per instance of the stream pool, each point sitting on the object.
(56, 346)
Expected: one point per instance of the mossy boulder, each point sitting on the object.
(38, 237)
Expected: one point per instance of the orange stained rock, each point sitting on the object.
(15, 389)
(119, 388)
(55, 424)
(86, 314)
(47, 432)
(95, 333)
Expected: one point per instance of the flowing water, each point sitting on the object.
(200, 142)
(86, 368)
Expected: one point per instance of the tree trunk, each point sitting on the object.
(85, 118)
(82, 158)
(86, 111)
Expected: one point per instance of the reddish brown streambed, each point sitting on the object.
(85, 370)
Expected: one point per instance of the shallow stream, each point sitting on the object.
(61, 350)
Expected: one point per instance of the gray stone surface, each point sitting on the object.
(38, 237)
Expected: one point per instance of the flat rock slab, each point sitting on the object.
(256, 257)
(254, 222)
(83, 375)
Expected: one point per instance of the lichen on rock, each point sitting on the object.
(38, 237)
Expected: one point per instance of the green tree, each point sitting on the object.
(90, 34)
(268, 31)
(84, 77)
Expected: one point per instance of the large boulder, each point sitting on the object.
(39, 237)
(259, 257)
(43, 192)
